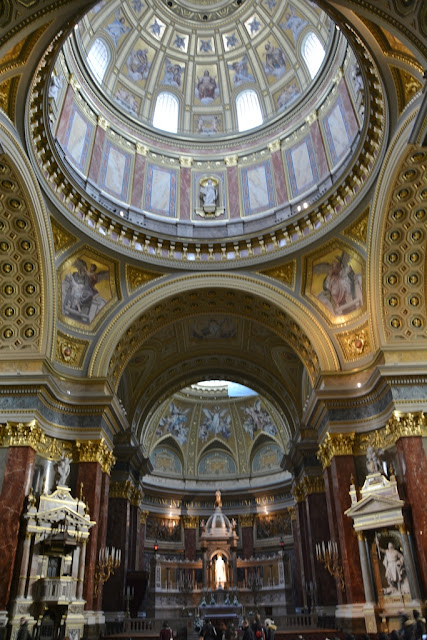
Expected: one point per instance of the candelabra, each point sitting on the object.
(328, 554)
(108, 560)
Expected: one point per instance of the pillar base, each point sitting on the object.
(350, 617)
(94, 624)
(371, 623)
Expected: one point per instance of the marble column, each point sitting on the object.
(247, 535)
(332, 520)
(205, 569)
(102, 530)
(16, 485)
(278, 172)
(118, 536)
(341, 473)
(366, 572)
(298, 591)
(139, 176)
(413, 477)
(97, 150)
(23, 573)
(141, 540)
(90, 476)
(409, 565)
(81, 572)
(318, 531)
(190, 530)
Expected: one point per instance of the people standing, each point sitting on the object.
(420, 625)
(166, 632)
(248, 634)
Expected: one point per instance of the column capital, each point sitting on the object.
(336, 444)
(307, 486)
(126, 490)
(185, 161)
(292, 513)
(95, 451)
(190, 522)
(231, 161)
(275, 145)
(246, 519)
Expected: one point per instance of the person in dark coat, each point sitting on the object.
(208, 631)
(407, 628)
(420, 625)
(23, 633)
(248, 634)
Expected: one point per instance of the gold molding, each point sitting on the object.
(359, 229)
(335, 444)
(69, 350)
(398, 426)
(246, 519)
(95, 451)
(292, 513)
(126, 490)
(62, 239)
(137, 277)
(307, 486)
(190, 522)
(30, 434)
(355, 343)
(143, 516)
(285, 273)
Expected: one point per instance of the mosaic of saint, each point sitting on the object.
(174, 423)
(257, 419)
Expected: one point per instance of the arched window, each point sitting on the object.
(313, 52)
(166, 112)
(249, 113)
(98, 59)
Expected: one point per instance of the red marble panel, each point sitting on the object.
(185, 193)
(318, 529)
(247, 534)
(16, 485)
(90, 475)
(117, 536)
(413, 462)
(97, 153)
(233, 192)
(348, 107)
(65, 114)
(138, 181)
(319, 149)
(332, 521)
(190, 543)
(342, 469)
(279, 177)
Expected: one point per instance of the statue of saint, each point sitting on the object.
(394, 567)
(218, 499)
(373, 463)
(220, 576)
(209, 193)
(63, 470)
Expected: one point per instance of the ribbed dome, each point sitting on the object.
(218, 525)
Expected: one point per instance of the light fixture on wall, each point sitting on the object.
(328, 555)
(109, 559)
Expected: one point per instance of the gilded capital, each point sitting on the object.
(246, 520)
(18, 434)
(142, 149)
(307, 486)
(336, 444)
(143, 517)
(274, 145)
(231, 161)
(103, 123)
(185, 161)
(405, 425)
(95, 451)
(190, 522)
(122, 490)
(292, 513)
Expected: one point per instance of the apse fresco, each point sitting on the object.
(86, 287)
(217, 463)
(267, 458)
(165, 461)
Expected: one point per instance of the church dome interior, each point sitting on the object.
(213, 254)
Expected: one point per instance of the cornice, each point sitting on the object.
(398, 426)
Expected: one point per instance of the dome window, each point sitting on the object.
(249, 113)
(98, 59)
(313, 53)
(166, 112)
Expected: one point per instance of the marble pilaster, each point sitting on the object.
(279, 176)
(247, 536)
(318, 531)
(341, 472)
(119, 517)
(16, 484)
(96, 159)
(413, 462)
(185, 193)
(233, 192)
(138, 181)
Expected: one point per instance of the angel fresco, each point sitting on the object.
(175, 423)
(217, 422)
(81, 299)
(342, 287)
(258, 419)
